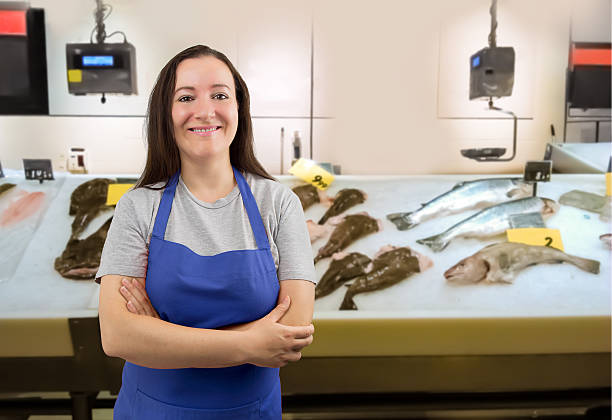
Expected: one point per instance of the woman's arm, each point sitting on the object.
(301, 293)
(152, 342)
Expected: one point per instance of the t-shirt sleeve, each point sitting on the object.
(125, 249)
(293, 243)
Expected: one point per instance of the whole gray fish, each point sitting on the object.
(500, 262)
(387, 269)
(349, 229)
(344, 200)
(464, 196)
(491, 221)
(343, 267)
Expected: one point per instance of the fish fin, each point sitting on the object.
(585, 264)
(401, 220)
(436, 243)
(458, 185)
(348, 303)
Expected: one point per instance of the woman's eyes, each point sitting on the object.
(188, 98)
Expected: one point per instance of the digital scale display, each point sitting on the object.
(97, 61)
(475, 61)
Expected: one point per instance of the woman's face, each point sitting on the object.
(204, 108)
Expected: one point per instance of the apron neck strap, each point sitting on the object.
(252, 210)
(165, 205)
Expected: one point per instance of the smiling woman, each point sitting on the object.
(207, 285)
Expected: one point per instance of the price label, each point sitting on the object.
(536, 236)
(312, 173)
(115, 191)
(609, 183)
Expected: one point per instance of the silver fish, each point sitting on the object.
(491, 221)
(464, 196)
(500, 262)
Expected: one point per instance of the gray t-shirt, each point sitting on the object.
(210, 228)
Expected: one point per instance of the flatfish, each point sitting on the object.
(491, 221)
(343, 267)
(5, 187)
(309, 195)
(351, 228)
(386, 270)
(464, 196)
(81, 258)
(344, 200)
(86, 202)
(502, 261)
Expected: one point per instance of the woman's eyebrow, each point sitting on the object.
(216, 85)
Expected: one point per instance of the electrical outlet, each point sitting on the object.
(77, 160)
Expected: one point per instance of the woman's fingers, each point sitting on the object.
(131, 303)
(300, 343)
(302, 331)
(134, 292)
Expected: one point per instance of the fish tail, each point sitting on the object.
(437, 242)
(402, 221)
(347, 302)
(585, 264)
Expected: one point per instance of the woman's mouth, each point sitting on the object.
(205, 131)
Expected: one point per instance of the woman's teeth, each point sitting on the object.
(204, 130)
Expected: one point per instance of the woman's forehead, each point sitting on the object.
(204, 71)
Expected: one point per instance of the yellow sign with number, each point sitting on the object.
(115, 191)
(312, 173)
(609, 183)
(536, 236)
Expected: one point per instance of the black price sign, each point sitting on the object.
(39, 169)
(538, 170)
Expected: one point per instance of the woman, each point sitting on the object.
(213, 234)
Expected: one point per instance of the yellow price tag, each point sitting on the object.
(75, 76)
(115, 191)
(536, 236)
(609, 183)
(312, 173)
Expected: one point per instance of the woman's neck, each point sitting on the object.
(210, 181)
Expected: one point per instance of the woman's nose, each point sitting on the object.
(205, 109)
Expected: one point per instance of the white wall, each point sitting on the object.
(377, 72)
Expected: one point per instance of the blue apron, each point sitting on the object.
(205, 292)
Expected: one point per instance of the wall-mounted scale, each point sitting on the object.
(492, 75)
(100, 67)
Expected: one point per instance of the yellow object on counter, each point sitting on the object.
(115, 191)
(312, 173)
(609, 183)
(536, 236)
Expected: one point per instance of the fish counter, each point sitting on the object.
(406, 325)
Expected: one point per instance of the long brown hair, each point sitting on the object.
(163, 159)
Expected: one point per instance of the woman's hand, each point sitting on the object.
(137, 301)
(272, 344)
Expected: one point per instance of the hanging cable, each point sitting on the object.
(492, 36)
(101, 13)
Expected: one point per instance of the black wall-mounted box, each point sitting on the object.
(23, 68)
